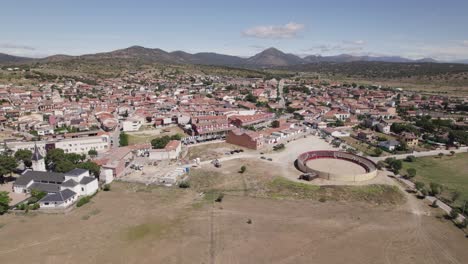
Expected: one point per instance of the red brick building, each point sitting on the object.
(248, 120)
(245, 138)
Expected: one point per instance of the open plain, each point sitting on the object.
(263, 218)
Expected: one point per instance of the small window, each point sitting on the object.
(82, 189)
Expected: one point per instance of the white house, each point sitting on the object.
(131, 124)
(62, 189)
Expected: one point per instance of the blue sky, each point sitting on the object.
(411, 28)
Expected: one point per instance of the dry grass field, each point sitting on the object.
(263, 218)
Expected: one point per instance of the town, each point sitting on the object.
(322, 132)
(118, 127)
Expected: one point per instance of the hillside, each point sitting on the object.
(268, 58)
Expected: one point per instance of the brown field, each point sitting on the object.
(289, 223)
(210, 151)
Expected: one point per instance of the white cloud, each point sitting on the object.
(15, 46)
(289, 30)
(359, 42)
(345, 46)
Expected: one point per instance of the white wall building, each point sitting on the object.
(80, 145)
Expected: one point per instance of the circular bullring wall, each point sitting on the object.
(337, 165)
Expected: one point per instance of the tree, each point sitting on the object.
(161, 142)
(75, 158)
(7, 165)
(251, 98)
(440, 155)
(4, 202)
(23, 155)
(410, 158)
(377, 152)
(55, 155)
(380, 165)
(419, 185)
(64, 166)
(396, 165)
(455, 196)
(92, 153)
(123, 139)
(91, 166)
(38, 194)
(411, 172)
(453, 214)
(242, 169)
(435, 188)
(275, 124)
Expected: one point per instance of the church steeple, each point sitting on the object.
(36, 155)
(38, 162)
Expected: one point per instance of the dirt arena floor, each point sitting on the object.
(144, 224)
(336, 166)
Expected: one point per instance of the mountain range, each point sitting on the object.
(268, 58)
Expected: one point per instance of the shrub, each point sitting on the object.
(242, 169)
(106, 187)
(184, 185)
(377, 152)
(278, 147)
(410, 158)
(32, 200)
(35, 206)
(249, 221)
(453, 214)
(462, 224)
(219, 198)
(380, 165)
(411, 172)
(455, 196)
(434, 204)
(424, 193)
(322, 199)
(419, 185)
(435, 188)
(83, 201)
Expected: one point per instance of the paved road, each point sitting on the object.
(447, 209)
(115, 136)
(420, 154)
(281, 102)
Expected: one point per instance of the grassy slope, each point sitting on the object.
(451, 172)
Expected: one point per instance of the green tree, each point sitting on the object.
(92, 153)
(23, 155)
(435, 188)
(7, 165)
(410, 158)
(243, 168)
(454, 214)
(396, 165)
(455, 196)
(411, 172)
(419, 185)
(377, 152)
(93, 168)
(38, 194)
(55, 155)
(64, 166)
(275, 124)
(4, 202)
(123, 139)
(251, 98)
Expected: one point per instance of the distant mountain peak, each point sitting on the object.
(270, 57)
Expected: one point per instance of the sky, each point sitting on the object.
(411, 28)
